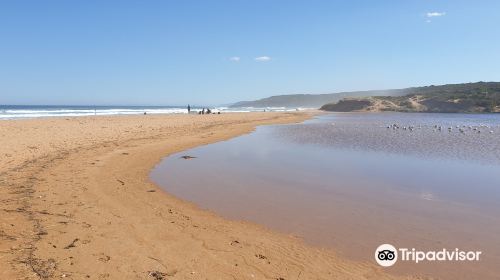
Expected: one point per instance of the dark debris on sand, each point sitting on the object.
(157, 275)
(187, 157)
(72, 244)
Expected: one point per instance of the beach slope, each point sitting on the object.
(77, 203)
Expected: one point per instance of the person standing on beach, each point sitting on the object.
(189, 109)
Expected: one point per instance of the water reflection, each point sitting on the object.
(348, 182)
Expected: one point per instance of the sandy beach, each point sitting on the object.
(77, 203)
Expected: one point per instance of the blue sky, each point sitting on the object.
(213, 52)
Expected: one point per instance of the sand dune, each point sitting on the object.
(76, 203)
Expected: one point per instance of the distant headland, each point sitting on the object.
(480, 97)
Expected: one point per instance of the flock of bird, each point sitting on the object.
(462, 129)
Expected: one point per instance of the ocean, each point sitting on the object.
(40, 111)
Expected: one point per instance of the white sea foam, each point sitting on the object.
(24, 112)
(71, 112)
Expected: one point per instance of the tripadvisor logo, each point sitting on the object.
(387, 255)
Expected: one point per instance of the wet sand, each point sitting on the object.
(77, 203)
(347, 182)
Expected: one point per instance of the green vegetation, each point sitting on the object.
(470, 97)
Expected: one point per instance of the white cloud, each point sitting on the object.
(262, 58)
(235, 58)
(435, 14)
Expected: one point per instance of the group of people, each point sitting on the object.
(202, 112)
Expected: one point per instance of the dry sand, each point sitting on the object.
(77, 203)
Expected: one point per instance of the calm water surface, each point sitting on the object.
(348, 182)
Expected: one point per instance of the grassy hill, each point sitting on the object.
(455, 98)
(312, 100)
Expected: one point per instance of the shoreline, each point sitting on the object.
(78, 203)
